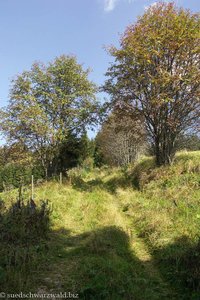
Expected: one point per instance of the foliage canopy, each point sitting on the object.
(47, 104)
(156, 72)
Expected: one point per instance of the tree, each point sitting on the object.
(16, 166)
(121, 139)
(71, 152)
(16, 153)
(156, 72)
(190, 142)
(46, 104)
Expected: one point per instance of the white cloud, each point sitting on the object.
(151, 5)
(154, 3)
(109, 5)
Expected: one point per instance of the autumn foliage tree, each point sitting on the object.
(156, 72)
(47, 104)
(121, 140)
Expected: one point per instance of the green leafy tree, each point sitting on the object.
(72, 152)
(156, 72)
(46, 104)
(17, 164)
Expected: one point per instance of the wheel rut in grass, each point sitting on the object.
(97, 253)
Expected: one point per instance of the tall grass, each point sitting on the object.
(167, 216)
(112, 234)
(24, 228)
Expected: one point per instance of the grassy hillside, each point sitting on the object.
(117, 234)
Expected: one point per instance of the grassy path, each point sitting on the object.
(109, 241)
(94, 248)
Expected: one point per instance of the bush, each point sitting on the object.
(24, 223)
(76, 175)
(24, 229)
(88, 164)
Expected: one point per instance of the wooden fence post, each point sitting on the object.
(32, 187)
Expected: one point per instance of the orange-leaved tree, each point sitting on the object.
(156, 72)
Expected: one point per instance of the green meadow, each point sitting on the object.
(121, 233)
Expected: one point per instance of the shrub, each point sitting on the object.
(24, 228)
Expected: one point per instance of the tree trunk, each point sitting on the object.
(164, 150)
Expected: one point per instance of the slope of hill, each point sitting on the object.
(118, 234)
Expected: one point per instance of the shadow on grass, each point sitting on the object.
(100, 265)
(110, 185)
(24, 230)
(179, 264)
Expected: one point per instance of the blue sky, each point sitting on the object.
(33, 30)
